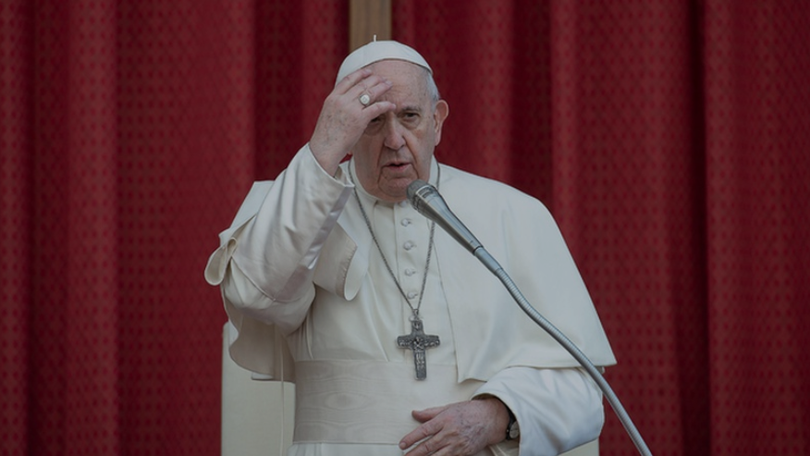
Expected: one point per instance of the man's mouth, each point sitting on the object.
(397, 165)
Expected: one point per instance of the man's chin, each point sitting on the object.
(397, 190)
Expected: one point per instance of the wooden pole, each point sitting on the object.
(366, 19)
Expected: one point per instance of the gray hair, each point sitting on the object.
(431, 87)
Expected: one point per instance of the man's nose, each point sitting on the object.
(394, 139)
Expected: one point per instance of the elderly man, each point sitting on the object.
(397, 340)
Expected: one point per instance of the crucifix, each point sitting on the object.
(418, 341)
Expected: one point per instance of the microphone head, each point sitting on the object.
(417, 191)
(414, 187)
(426, 200)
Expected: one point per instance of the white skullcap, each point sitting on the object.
(376, 51)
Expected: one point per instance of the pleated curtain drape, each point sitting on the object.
(670, 139)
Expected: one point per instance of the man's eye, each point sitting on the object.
(374, 126)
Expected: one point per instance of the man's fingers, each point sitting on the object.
(427, 414)
(357, 82)
(462, 428)
(420, 433)
(376, 109)
(428, 429)
(362, 82)
(373, 87)
(351, 80)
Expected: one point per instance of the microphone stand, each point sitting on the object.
(427, 201)
(491, 264)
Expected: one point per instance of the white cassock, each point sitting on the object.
(308, 292)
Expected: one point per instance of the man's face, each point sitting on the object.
(397, 147)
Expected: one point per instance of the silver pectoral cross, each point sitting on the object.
(418, 341)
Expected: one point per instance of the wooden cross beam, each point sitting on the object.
(368, 18)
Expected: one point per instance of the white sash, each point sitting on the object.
(368, 401)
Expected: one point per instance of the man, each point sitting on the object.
(397, 340)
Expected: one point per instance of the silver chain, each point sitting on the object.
(414, 310)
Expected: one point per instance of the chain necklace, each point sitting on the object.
(417, 340)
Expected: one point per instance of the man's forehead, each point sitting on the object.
(377, 51)
(408, 82)
(395, 67)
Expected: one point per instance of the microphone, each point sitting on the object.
(428, 202)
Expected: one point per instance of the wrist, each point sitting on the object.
(504, 423)
(326, 155)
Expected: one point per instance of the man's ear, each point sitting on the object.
(440, 113)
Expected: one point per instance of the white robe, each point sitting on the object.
(307, 290)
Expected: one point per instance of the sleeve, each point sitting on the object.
(279, 248)
(557, 409)
(266, 260)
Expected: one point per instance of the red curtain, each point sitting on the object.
(670, 139)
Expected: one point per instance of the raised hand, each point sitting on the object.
(344, 117)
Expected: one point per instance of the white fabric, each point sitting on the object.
(379, 50)
(326, 389)
(319, 279)
(257, 415)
